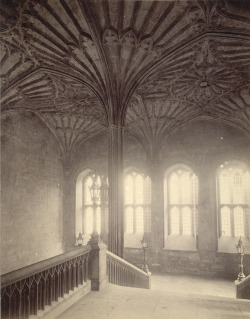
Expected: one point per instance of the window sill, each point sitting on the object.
(227, 244)
(180, 242)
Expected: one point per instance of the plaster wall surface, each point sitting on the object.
(31, 191)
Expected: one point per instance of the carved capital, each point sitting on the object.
(113, 127)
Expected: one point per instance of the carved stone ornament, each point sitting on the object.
(148, 65)
(127, 39)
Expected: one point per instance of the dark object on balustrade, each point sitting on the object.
(79, 240)
(144, 245)
(240, 249)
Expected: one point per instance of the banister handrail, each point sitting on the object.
(27, 271)
(27, 290)
(121, 272)
(127, 264)
(242, 282)
(243, 288)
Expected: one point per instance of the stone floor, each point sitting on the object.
(193, 284)
(191, 297)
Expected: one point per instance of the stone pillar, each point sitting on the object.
(157, 211)
(68, 219)
(207, 227)
(104, 234)
(116, 236)
(98, 264)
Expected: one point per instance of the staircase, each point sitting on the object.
(243, 288)
(47, 288)
(122, 273)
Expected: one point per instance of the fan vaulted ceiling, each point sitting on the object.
(151, 66)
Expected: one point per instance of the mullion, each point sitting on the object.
(134, 209)
(180, 203)
(232, 221)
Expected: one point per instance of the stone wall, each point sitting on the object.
(93, 154)
(39, 222)
(31, 191)
(204, 146)
(205, 263)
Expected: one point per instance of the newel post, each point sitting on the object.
(98, 264)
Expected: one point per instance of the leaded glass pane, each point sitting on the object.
(98, 181)
(175, 221)
(224, 188)
(147, 190)
(87, 197)
(247, 183)
(89, 220)
(186, 221)
(237, 187)
(137, 192)
(226, 221)
(194, 181)
(128, 190)
(185, 186)
(139, 189)
(182, 191)
(238, 221)
(129, 220)
(139, 220)
(174, 189)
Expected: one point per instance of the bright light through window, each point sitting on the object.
(224, 188)
(234, 198)
(225, 221)
(129, 190)
(182, 193)
(139, 189)
(137, 200)
(238, 221)
(186, 186)
(175, 223)
(89, 220)
(186, 221)
(238, 187)
(174, 189)
(129, 220)
(88, 208)
(139, 220)
(87, 197)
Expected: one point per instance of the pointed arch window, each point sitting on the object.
(233, 199)
(137, 201)
(85, 207)
(181, 198)
(88, 207)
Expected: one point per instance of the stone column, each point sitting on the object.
(207, 227)
(157, 211)
(68, 222)
(98, 264)
(116, 236)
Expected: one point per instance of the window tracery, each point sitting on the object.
(137, 201)
(182, 190)
(233, 199)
